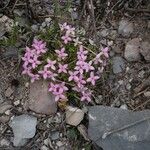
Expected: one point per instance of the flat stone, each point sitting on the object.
(145, 50)
(115, 128)
(125, 28)
(132, 50)
(8, 92)
(83, 131)
(4, 142)
(118, 64)
(40, 99)
(4, 118)
(74, 116)
(1, 98)
(147, 94)
(24, 127)
(10, 52)
(4, 107)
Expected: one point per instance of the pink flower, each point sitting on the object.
(63, 26)
(80, 66)
(92, 78)
(82, 51)
(88, 66)
(62, 68)
(61, 53)
(98, 59)
(80, 81)
(34, 61)
(58, 90)
(27, 70)
(51, 64)
(86, 95)
(62, 86)
(54, 88)
(105, 52)
(34, 77)
(39, 46)
(45, 73)
(66, 39)
(81, 57)
(73, 76)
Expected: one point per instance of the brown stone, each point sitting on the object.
(40, 99)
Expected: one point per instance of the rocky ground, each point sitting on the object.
(29, 117)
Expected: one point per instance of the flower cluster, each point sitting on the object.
(79, 75)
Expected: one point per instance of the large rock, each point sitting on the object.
(118, 64)
(119, 129)
(24, 127)
(125, 28)
(145, 50)
(132, 50)
(40, 99)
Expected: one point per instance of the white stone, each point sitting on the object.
(4, 142)
(124, 106)
(7, 112)
(74, 115)
(44, 148)
(59, 143)
(16, 103)
(147, 94)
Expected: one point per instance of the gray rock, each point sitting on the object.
(145, 50)
(40, 99)
(9, 92)
(125, 28)
(4, 119)
(10, 52)
(24, 127)
(4, 107)
(4, 142)
(104, 32)
(1, 98)
(115, 128)
(132, 50)
(118, 64)
(54, 135)
(34, 28)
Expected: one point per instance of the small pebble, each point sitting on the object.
(141, 74)
(44, 148)
(124, 106)
(8, 92)
(16, 103)
(55, 135)
(7, 112)
(59, 143)
(128, 86)
(147, 94)
(110, 43)
(4, 142)
(48, 20)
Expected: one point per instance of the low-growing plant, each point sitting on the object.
(70, 67)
